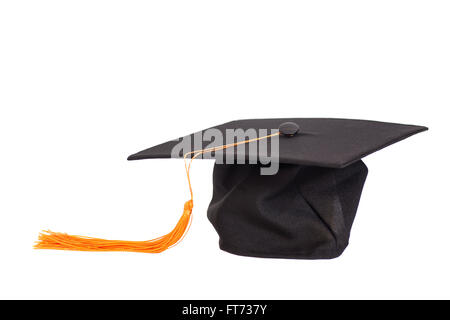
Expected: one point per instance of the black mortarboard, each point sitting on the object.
(304, 208)
(330, 143)
(307, 208)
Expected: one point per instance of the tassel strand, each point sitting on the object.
(63, 241)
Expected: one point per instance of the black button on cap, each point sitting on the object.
(289, 129)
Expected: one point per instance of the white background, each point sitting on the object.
(83, 84)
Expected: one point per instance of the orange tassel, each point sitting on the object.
(64, 241)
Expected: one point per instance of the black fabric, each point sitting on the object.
(333, 143)
(301, 212)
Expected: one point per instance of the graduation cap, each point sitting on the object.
(282, 188)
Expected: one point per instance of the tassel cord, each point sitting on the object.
(63, 241)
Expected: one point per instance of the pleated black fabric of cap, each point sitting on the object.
(332, 143)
